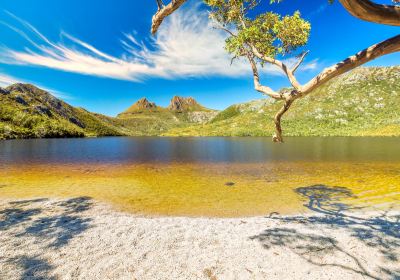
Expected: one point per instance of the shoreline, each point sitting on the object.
(80, 238)
(209, 136)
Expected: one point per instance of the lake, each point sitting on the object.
(216, 176)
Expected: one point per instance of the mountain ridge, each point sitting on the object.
(27, 111)
(363, 102)
(177, 104)
(145, 118)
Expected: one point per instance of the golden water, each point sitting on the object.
(200, 189)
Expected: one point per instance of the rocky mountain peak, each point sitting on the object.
(181, 104)
(144, 104)
(23, 88)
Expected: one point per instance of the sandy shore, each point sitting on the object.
(82, 239)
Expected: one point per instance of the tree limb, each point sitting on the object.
(257, 85)
(277, 120)
(300, 61)
(370, 11)
(280, 64)
(223, 28)
(386, 47)
(163, 13)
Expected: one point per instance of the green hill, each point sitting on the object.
(364, 102)
(29, 112)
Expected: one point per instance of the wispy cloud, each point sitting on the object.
(6, 80)
(312, 65)
(186, 46)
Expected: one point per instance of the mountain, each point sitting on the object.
(29, 112)
(189, 104)
(147, 118)
(363, 102)
(141, 106)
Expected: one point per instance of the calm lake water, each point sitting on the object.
(204, 176)
(195, 150)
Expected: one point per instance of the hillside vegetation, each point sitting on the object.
(29, 112)
(364, 102)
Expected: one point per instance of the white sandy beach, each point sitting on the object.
(83, 239)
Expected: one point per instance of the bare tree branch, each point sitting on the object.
(220, 27)
(227, 31)
(386, 47)
(163, 12)
(280, 64)
(160, 4)
(300, 61)
(370, 11)
(257, 85)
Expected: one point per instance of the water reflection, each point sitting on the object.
(212, 149)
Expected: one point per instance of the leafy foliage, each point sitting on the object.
(270, 33)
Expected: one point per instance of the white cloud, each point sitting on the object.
(312, 65)
(6, 80)
(186, 46)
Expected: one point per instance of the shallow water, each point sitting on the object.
(224, 177)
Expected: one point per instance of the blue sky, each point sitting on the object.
(100, 54)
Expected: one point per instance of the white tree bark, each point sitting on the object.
(370, 11)
(163, 12)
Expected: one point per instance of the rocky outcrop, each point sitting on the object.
(30, 95)
(177, 104)
(144, 104)
(3, 91)
(141, 106)
(201, 117)
(184, 104)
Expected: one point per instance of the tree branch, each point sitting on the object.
(370, 11)
(386, 47)
(280, 64)
(226, 30)
(163, 13)
(300, 61)
(257, 85)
